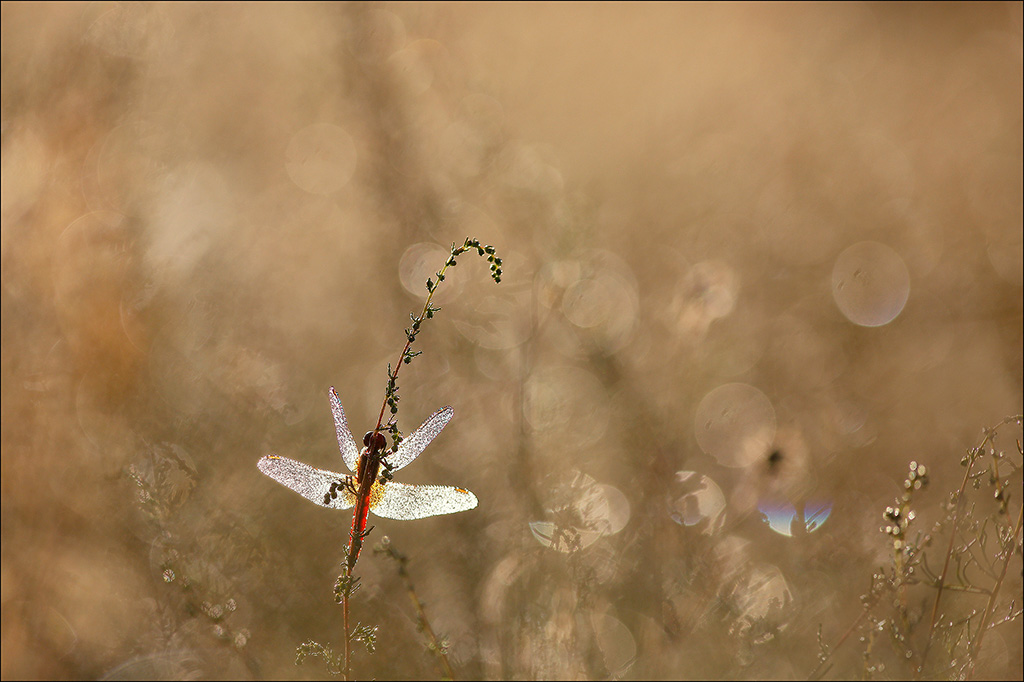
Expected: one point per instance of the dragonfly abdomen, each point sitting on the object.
(369, 466)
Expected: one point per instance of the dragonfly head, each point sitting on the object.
(379, 442)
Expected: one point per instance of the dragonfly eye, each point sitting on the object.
(378, 440)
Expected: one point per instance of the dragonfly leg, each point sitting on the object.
(355, 546)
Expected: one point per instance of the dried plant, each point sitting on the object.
(908, 606)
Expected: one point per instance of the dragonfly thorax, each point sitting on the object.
(367, 488)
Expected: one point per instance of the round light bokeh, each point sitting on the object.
(530, 167)
(764, 595)
(870, 284)
(708, 292)
(618, 507)
(582, 511)
(735, 424)
(421, 262)
(410, 68)
(130, 163)
(384, 33)
(321, 158)
(599, 294)
(552, 407)
(485, 113)
(461, 149)
(497, 322)
(694, 499)
(192, 209)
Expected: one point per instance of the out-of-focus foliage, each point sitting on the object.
(757, 259)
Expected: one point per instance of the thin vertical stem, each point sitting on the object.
(411, 336)
(348, 631)
(422, 617)
(949, 554)
(375, 453)
(421, 614)
(972, 457)
(990, 606)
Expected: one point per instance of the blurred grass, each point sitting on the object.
(187, 267)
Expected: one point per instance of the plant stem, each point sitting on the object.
(820, 668)
(991, 605)
(376, 455)
(972, 457)
(408, 344)
(348, 633)
(422, 616)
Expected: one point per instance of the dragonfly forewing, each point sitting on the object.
(349, 448)
(385, 498)
(401, 502)
(314, 484)
(410, 448)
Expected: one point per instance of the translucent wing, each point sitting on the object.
(401, 501)
(412, 446)
(349, 449)
(312, 483)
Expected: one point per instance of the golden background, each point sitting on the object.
(727, 230)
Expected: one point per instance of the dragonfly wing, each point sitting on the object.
(349, 449)
(411, 447)
(312, 483)
(401, 501)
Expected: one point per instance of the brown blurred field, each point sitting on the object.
(727, 230)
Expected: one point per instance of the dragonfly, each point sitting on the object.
(368, 488)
